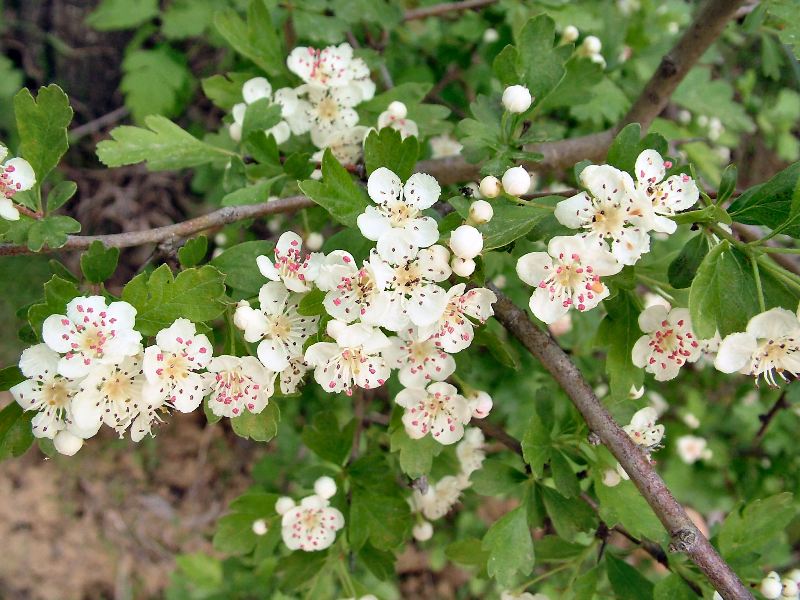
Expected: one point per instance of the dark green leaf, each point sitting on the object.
(122, 14)
(499, 347)
(379, 562)
(537, 445)
(387, 148)
(42, 124)
(9, 377)
(60, 194)
(193, 251)
(563, 476)
(327, 440)
(225, 90)
(752, 527)
(771, 203)
(509, 222)
(261, 115)
(727, 184)
(416, 456)
(337, 193)
(496, 478)
(51, 231)
(625, 148)
(506, 66)
(156, 82)
(468, 553)
(15, 431)
(98, 263)
(234, 533)
(672, 587)
(257, 39)
(311, 303)
(619, 331)
(683, 268)
(510, 548)
(57, 293)
(542, 63)
(627, 582)
(623, 504)
(240, 268)
(569, 517)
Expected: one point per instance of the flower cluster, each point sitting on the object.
(645, 433)
(788, 587)
(16, 175)
(312, 524)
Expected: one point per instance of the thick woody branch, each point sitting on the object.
(686, 537)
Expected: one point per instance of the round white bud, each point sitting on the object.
(516, 181)
(463, 267)
(220, 239)
(570, 34)
(490, 187)
(397, 109)
(611, 478)
(422, 532)
(67, 443)
(314, 241)
(790, 588)
(481, 403)
(466, 241)
(795, 575)
(592, 44)
(771, 588)
(480, 212)
(490, 36)
(517, 99)
(702, 120)
(284, 504)
(684, 117)
(325, 487)
(260, 527)
(335, 327)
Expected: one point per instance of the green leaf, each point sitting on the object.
(752, 527)
(225, 90)
(257, 39)
(9, 377)
(42, 124)
(234, 533)
(618, 332)
(727, 184)
(312, 303)
(193, 251)
(625, 148)
(672, 587)
(251, 194)
(496, 478)
(701, 95)
(541, 62)
(379, 562)
(261, 115)
(683, 268)
(57, 293)
(563, 476)
(387, 148)
(510, 548)
(187, 18)
(552, 548)
(202, 570)
(60, 195)
(537, 445)
(772, 203)
(238, 263)
(711, 304)
(468, 553)
(337, 193)
(510, 222)
(581, 73)
(498, 347)
(261, 427)
(623, 504)
(606, 103)
(627, 582)
(51, 231)
(122, 14)
(156, 81)
(15, 431)
(327, 440)
(569, 517)
(585, 585)
(98, 263)
(163, 145)
(416, 456)
(160, 298)
(506, 66)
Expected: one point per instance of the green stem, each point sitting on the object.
(541, 577)
(761, 304)
(778, 271)
(344, 577)
(778, 250)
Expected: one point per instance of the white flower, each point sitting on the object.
(767, 348)
(643, 429)
(259, 527)
(296, 269)
(312, 525)
(480, 403)
(443, 146)
(592, 45)
(333, 66)
(470, 451)
(480, 212)
(353, 293)
(517, 99)
(292, 376)
(395, 116)
(771, 587)
(611, 478)
(692, 448)
(413, 290)
(259, 88)
(439, 410)
(419, 360)
(466, 241)
(566, 276)
(237, 384)
(437, 500)
(454, 331)
(47, 393)
(112, 394)
(491, 186)
(346, 145)
(325, 487)
(516, 181)
(280, 330)
(91, 333)
(16, 175)
(570, 34)
(463, 267)
(171, 366)
(668, 343)
(354, 359)
(670, 196)
(67, 443)
(612, 209)
(396, 223)
(490, 35)
(325, 111)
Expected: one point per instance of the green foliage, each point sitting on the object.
(618, 332)
(234, 534)
(541, 62)
(629, 143)
(261, 427)
(122, 14)
(57, 293)
(627, 582)
(260, 116)
(623, 505)
(774, 203)
(385, 148)
(327, 440)
(683, 268)
(15, 431)
(51, 231)
(752, 527)
(60, 195)
(98, 263)
(193, 251)
(156, 82)
(238, 263)
(337, 192)
(256, 38)
(509, 547)
(9, 377)
(509, 222)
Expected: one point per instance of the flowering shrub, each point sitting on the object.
(377, 337)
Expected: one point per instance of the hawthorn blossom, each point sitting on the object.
(418, 360)
(438, 409)
(112, 394)
(396, 117)
(396, 223)
(668, 196)
(767, 348)
(643, 429)
(91, 333)
(257, 89)
(444, 145)
(692, 448)
(292, 376)
(454, 330)
(354, 358)
(566, 276)
(48, 393)
(331, 67)
(668, 343)
(171, 366)
(612, 211)
(238, 384)
(16, 175)
(413, 289)
(311, 525)
(280, 330)
(438, 499)
(293, 267)
(346, 145)
(470, 451)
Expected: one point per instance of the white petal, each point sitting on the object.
(272, 298)
(39, 361)
(735, 352)
(434, 263)
(396, 246)
(373, 223)
(301, 62)
(20, 174)
(289, 240)
(423, 231)
(572, 211)
(383, 186)
(534, 267)
(630, 245)
(273, 354)
(649, 167)
(682, 192)
(174, 337)
(426, 304)
(87, 411)
(256, 89)
(641, 352)
(7, 210)
(267, 269)
(421, 190)
(545, 309)
(188, 394)
(772, 324)
(651, 318)
(664, 224)
(606, 182)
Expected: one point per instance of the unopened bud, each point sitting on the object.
(517, 99)
(463, 267)
(466, 241)
(516, 181)
(490, 186)
(480, 212)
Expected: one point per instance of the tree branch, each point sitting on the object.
(686, 537)
(446, 7)
(767, 418)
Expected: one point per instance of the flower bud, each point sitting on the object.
(481, 212)
(463, 267)
(325, 487)
(397, 109)
(284, 504)
(221, 239)
(500, 281)
(635, 393)
(314, 241)
(517, 99)
(466, 241)
(794, 574)
(422, 532)
(490, 36)
(516, 181)
(481, 403)
(771, 587)
(790, 588)
(260, 527)
(611, 478)
(67, 443)
(592, 45)
(570, 34)
(490, 186)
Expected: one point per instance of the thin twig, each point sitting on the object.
(97, 124)
(446, 7)
(767, 418)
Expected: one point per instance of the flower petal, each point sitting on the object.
(384, 186)
(735, 352)
(421, 190)
(534, 267)
(649, 167)
(571, 212)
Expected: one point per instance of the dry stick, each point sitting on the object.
(686, 537)
(445, 7)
